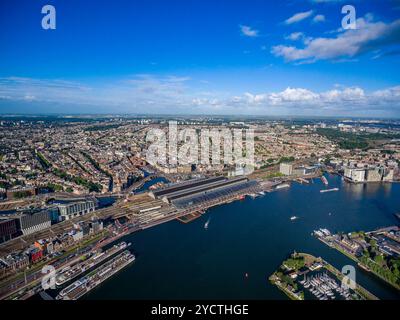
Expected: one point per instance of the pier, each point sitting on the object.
(190, 217)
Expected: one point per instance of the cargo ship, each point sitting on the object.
(87, 283)
(91, 261)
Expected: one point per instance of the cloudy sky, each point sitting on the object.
(254, 57)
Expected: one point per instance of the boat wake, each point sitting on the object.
(207, 223)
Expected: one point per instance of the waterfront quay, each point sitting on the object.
(377, 252)
(303, 276)
(185, 201)
(139, 211)
(90, 260)
(87, 283)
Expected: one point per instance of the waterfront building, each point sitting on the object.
(286, 169)
(374, 175)
(195, 187)
(289, 170)
(388, 174)
(310, 170)
(75, 209)
(354, 174)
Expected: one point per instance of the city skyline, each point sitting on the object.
(257, 58)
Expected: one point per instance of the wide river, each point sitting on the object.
(253, 236)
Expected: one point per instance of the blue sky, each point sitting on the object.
(201, 57)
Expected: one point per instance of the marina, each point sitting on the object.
(323, 286)
(319, 280)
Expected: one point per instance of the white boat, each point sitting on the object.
(294, 218)
(329, 190)
(281, 186)
(325, 231)
(206, 224)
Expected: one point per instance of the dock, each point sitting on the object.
(190, 217)
(321, 280)
(87, 283)
(302, 180)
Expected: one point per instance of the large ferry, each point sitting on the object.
(82, 286)
(91, 261)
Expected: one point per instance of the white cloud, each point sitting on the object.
(173, 94)
(338, 101)
(355, 94)
(299, 17)
(248, 31)
(295, 36)
(126, 95)
(29, 97)
(319, 18)
(389, 94)
(368, 37)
